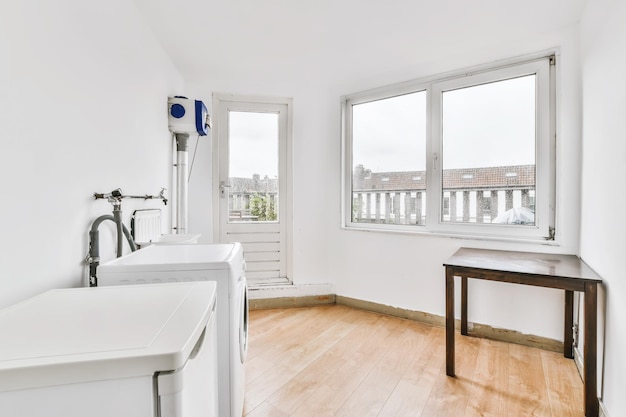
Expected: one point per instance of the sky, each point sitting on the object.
(253, 144)
(486, 125)
(390, 134)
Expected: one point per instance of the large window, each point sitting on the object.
(469, 154)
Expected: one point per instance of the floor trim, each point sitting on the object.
(578, 358)
(603, 411)
(289, 302)
(475, 329)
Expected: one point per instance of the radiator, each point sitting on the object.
(145, 226)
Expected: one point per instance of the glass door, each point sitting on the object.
(252, 141)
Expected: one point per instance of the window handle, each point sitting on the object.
(435, 161)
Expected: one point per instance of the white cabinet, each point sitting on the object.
(134, 351)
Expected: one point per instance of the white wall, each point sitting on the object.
(83, 93)
(603, 232)
(82, 104)
(315, 152)
(401, 270)
(407, 272)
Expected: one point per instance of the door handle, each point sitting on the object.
(223, 187)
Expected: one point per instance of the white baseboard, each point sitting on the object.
(290, 290)
(603, 412)
(578, 358)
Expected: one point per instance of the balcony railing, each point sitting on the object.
(241, 205)
(470, 195)
(408, 207)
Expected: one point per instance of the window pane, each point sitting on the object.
(389, 160)
(489, 153)
(253, 166)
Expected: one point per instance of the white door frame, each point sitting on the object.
(222, 104)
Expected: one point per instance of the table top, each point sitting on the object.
(547, 264)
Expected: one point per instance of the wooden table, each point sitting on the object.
(565, 272)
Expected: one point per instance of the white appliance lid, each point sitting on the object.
(175, 258)
(89, 334)
(180, 238)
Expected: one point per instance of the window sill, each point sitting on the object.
(538, 241)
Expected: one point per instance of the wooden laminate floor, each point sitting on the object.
(338, 361)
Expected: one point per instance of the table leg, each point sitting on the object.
(568, 332)
(464, 306)
(449, 321)
(591, 361)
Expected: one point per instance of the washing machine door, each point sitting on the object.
(243, 323)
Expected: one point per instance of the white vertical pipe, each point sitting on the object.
(182, 184)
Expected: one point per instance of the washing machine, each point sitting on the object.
(222, 263)
(126, 351)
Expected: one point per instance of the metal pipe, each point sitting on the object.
(129, 238)
(117, 218)
(116, 195)
(94, 244)
(182, 184)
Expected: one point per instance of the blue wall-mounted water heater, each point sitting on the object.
(188, 116)
(185, 117)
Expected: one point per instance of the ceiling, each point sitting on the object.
(338, 38)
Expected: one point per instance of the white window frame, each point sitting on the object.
(545, 159)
